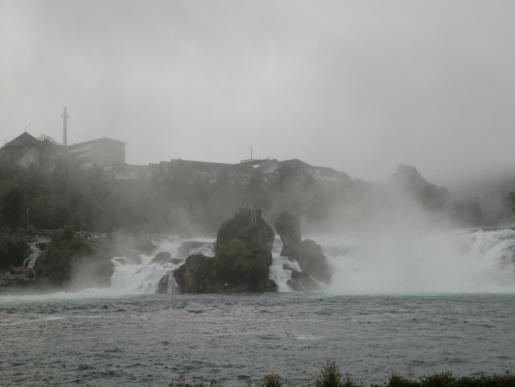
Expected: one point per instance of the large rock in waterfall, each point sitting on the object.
(308, 254)
(197, 275)
(243, 255)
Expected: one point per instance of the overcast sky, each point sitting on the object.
(358, 85)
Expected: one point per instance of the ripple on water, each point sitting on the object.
(153, 340)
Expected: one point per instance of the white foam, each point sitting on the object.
(457, 262)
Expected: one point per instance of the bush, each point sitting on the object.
(448, 380)
(330, 376)
(13, 252)
(271, 380)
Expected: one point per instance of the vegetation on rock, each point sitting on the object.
(13, 251)
(69, 250)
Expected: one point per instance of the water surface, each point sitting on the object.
(154, 340)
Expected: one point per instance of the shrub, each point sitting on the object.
(271, 380)
(13, 252)
(330, 376)
(448, 380)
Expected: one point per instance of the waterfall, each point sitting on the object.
(35, 253)
(466, 261)
(143, 277)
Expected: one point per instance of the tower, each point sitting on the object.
(65, 126)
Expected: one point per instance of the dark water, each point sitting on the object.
(154, 340)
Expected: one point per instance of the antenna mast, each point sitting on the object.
(65, 117)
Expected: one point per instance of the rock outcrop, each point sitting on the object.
(308, 254)
(197, 275)
(243, 255)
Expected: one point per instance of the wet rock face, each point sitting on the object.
(249, 228)
(197, 275)
(309, 255)
(312, 260)
(301, 281)
(166, 284)
(244, 252)
(288, 228)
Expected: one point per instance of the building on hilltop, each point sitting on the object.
(100, 152)
(23, 141)
(320, 174)
(26, 150)
(265, 171)
(200, 171)
(109, 154)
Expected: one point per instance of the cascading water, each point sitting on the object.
(35, 252)
(457, 262)
(281, 268)
(143, 277)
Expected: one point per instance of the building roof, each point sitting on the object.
(23, 140)
(202, 164)
(101, 139)
(296, 163)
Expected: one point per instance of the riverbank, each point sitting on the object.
(331, 376)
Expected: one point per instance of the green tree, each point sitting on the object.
(12, 208)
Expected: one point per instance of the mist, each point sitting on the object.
(359, 86)
(239, 192)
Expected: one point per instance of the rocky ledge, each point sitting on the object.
(314, 265)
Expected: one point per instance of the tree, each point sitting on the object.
(12, 208)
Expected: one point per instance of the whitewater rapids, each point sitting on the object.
(466, 261)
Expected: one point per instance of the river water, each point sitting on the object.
(422, 314)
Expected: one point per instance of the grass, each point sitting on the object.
(331, 376)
